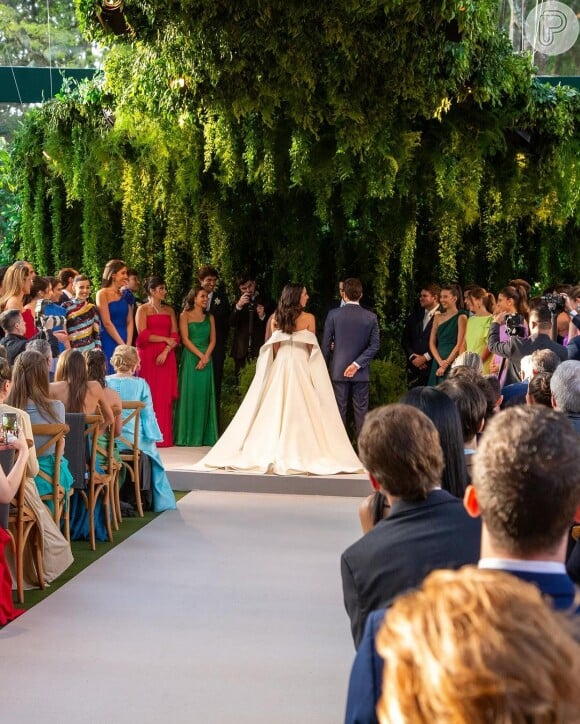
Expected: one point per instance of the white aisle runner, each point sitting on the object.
(226, 611)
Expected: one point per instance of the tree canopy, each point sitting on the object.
(396, 141)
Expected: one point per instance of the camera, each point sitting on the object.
(554, 302)
(41, 318)
(514, 325)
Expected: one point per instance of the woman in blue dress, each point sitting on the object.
(125, 361)
(115, 307)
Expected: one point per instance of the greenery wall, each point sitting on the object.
(394, 140)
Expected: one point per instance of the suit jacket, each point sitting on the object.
(574, 348)
(417, 538)
(240, 321)
(516, 348)
(415, 339)
(354, 331)
(366, 676)
(220, 309)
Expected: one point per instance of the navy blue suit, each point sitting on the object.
(366, 677)
(351, 334)
(396, 555)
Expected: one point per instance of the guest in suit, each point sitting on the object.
(416, 336)
(517, 347)
(526, 489)
(350, 341)
(565, 387)
(248, 318)
(477, 646)
(219, 307)
(427, 528)
(66, 278)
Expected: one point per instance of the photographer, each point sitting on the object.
(516, 347)
(248, 319)
(15, 341)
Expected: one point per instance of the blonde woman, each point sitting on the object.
(475, 646)
(125, 361)
(16, 286)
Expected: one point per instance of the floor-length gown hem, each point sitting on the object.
(288, 423)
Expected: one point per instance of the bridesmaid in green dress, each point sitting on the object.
(447, 334)
(196, 414)
(481, 304)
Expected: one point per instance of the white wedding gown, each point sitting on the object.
(288, 422)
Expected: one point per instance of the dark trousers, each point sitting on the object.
(218, 358)
(359, 393)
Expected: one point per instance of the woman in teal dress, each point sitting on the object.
(447, 339)
(125, 361)
(196, 414)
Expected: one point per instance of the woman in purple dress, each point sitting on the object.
(115, 309)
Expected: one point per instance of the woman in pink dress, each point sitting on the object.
(156, 341)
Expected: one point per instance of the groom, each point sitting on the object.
(349, 342)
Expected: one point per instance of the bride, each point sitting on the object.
(288, 423)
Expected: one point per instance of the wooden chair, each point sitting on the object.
(56, 433)
(23, 527)
(128, 444)
(576, 531)
(110, 467)
(98, 480)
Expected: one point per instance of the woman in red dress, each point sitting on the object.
(156, 341)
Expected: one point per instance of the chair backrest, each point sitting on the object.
(56, 434)
(75, 448)
(92, 425)
(107, 453)
(127, 440)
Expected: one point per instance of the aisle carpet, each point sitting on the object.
(226, 610)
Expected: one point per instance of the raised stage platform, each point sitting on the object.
(179, 462)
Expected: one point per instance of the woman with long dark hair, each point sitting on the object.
(156, 342)
(115, 306)
(195, 413)
(289, 422)
(74, 389)
(447, 339)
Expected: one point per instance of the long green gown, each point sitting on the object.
(195, 413)
(446, 340)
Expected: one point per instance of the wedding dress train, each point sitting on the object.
(288, 422)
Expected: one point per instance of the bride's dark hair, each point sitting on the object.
(289, 308)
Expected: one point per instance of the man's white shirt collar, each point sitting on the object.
(510, 564)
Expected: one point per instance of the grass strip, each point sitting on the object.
(84, 556)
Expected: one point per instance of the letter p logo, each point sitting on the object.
(552, 28)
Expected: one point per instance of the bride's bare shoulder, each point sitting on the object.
(306, 321)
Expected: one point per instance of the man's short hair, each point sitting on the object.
(353, 289)
(9, 319)
(527, 479)
(245, 277)
(42, 346)
(66, 274)
(132, 273)
(209, 271)
(399, 446)
(471, 404)
(433, 289)
(565, 387)
(542, 315)
(544, 360)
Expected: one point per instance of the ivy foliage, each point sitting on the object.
(397, 141)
